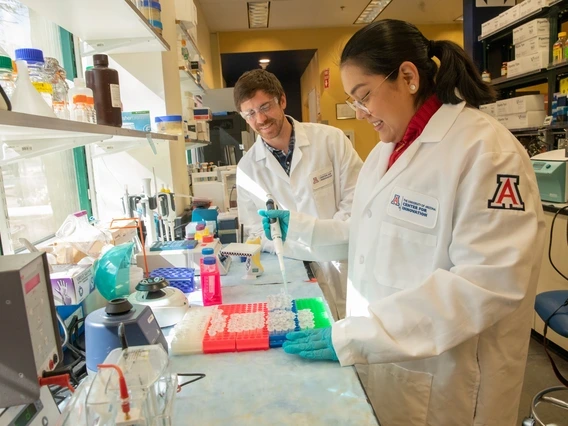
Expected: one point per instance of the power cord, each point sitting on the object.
(198, 376)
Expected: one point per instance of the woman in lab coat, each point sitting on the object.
(445, 240)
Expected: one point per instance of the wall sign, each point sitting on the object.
(326, 78)
(494, 3)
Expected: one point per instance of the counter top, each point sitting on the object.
(268, 387)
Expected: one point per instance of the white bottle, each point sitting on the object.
(26, 98)
(81, 94)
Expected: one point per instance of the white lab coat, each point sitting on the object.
(322, 181)
(441, 290)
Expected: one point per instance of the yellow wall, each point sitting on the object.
(309, 81)
(329, 43)
(204, 46)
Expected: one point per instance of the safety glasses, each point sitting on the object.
(264, 109)
(355, 105)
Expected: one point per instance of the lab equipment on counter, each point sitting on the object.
(36, 72)
(184, 258)
(112, 272)
(277, 239)
(26, 98)
(551, 175)
(134, 386)
(168, 304)
(167, 212)
(210, 278)
(29, 328)
(181, 278)
(77, 231)
(245, 327)
(251, 252)
(101, 329)
(103, 81)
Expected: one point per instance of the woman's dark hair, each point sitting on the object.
(383, 46)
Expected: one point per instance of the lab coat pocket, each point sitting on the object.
(400, 397)
(404, 257)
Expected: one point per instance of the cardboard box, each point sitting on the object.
(186, 11)
(526, 64)
(71, 284)
(137, 120)
(490, 109)
(523, 120)
(526, 103)
(502, 108)
(533, 45)
(529, 6)
(509, 16)
(535, 28)
(490, 26)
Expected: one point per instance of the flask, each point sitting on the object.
(103, 81)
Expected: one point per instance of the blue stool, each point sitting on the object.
(547, 304)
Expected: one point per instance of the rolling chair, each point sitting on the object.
(552, 307)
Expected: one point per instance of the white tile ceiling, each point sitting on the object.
(231, 15)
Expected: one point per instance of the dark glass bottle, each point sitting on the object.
(103, 81)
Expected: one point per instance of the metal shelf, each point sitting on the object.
(507, 28)
(191, 43)
(520, 80)
(108, 26)
(189, 82)
(26, 136)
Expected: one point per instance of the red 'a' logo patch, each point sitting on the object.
(507, 195)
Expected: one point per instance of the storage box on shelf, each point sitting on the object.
(521, 112)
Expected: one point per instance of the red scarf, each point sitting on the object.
(416, 126)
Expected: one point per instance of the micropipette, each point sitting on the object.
(276, 234)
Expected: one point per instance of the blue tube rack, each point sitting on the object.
(277, 339)
(181, 278)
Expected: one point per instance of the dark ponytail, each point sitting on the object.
(383, 46)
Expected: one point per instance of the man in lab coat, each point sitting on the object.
(306, 167)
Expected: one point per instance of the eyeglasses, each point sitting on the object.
(361, 104)
(264, 109)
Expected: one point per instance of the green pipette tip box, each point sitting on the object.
(317, 306)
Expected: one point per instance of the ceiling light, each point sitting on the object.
(373, 9)
(264, 61)
(258, 12)
(459, 19)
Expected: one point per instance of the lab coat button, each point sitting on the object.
(369, 213)
(361, 259)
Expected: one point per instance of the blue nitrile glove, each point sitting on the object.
(283, 217)
(311, 344)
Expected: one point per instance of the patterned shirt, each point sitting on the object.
(285, 160)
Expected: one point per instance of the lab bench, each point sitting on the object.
(268, 387)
